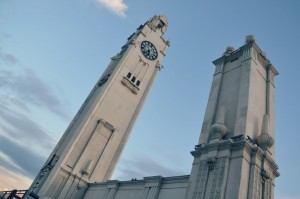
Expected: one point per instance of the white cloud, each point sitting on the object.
(117, 6)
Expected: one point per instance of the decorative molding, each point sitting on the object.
(257, 184)
(106, 125)
(45, 171)
(111, 189)
(130, 85)
(218, 175)
(211, 163)
(268, 189)
(151, 187)
(261, 57)
(56, 186)
(103, 80)
(246, 54)
(162, 53)
(201, 179)
(265, 175)
(209, 180)
(219, 68)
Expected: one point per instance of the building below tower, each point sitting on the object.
(155, 187)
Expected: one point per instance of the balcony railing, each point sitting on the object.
(13, 194)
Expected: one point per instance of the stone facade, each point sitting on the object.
(155, 187)
(235, 154)
(91, 146)
(234, 157)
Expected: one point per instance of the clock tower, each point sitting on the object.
(92, 144)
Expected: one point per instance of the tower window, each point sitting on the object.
(128, 75)
(160, 24)
(103, 80)
(138, 82)
(133, 79)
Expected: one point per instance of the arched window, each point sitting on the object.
(128, 75)
(138, 82)
(133, 79)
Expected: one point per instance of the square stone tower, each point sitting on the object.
(91, 146)
(235, 155)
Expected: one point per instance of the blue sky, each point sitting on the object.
(53, 52)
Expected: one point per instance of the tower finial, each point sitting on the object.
(264, 140)
(229, 51)
(158, 22)
(249, 38)
(218, 129)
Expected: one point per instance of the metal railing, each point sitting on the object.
(13, 194)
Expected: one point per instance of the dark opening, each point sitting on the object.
(138, 82)
(133, 79)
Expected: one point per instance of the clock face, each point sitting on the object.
(149, 50)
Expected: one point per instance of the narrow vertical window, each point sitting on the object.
(133, 79)
(138, 82)
(128, 75)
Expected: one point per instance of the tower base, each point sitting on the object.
(233, 168)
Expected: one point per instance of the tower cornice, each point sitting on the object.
(239, 52)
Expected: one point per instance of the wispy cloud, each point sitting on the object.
(21, 159)
(21, 87)
(7, 57)
(117, 6)
(4, 157)
(17, 133)
(22, 93)
(142, 166)
(21, 130)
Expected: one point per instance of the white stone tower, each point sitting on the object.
(235, 155)
(91, 146)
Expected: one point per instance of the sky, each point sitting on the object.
(53, 52)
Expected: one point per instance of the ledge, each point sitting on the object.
(130, 85)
